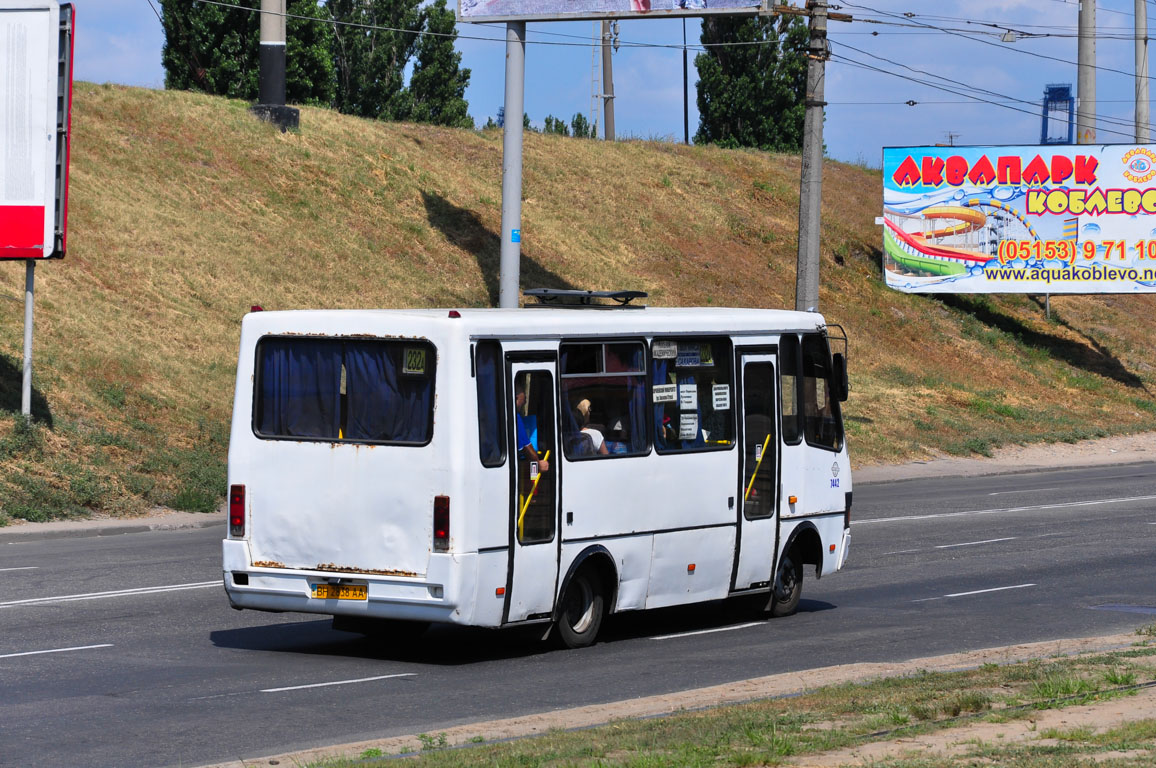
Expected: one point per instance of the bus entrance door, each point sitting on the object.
(758, 523)
(534, 508)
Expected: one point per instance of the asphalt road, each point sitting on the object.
(122, 651)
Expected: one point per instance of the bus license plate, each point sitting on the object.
(341, 591)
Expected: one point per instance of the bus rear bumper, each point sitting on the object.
(432, 596)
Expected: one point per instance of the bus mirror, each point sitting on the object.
(840, 382)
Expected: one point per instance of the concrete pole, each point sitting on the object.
(607, 84)
(1086, 77)
(811, 186)
(1141, 72)
(29, 292)
(270, 105)
(685, 91)
(271, 80)
(511, 248)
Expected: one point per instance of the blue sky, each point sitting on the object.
(120, 41)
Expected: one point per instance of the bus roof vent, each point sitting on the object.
(569, 299)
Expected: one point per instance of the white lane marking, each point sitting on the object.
(22, 568)
(973, 543)
(974, 592)
(1024, 490)
(708, 631)
(56, 650)
(116, 593)
(899, 552)
(336, 682)
(1065, 505)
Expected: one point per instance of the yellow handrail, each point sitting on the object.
(758, 464)
(533, 490)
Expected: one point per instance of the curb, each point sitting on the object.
(75, 529)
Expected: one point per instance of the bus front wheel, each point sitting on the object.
(788, 586)
(583, 607)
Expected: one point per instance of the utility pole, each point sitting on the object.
(685, 91)
(510, 250)
(1086, 78)
(811, 187)
(1141, 72)
(607, 83)
(270, 105)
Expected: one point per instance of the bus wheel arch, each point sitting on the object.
(588, 594)
(803, 548)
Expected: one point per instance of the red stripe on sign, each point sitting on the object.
(22, 228)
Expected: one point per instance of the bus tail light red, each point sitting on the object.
(441, 524)
(236, 510)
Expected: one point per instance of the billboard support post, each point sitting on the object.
(511, 248)
(811, 185)
(29, 291)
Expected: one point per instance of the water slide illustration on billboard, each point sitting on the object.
(1049, 219)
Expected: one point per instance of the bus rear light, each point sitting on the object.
(236, 510)
(441, 524)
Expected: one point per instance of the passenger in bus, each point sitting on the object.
(523, 437)
(597, 440)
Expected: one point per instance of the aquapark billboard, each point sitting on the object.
(1028, 219)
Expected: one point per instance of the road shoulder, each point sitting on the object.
(772, 686)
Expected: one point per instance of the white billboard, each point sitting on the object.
(570, 10)
(35, 91)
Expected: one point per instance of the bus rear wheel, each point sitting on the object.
(788, 586)
(582, 610)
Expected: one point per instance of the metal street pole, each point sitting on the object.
(607, 84)
(270, 105)
(811, 186)
(29, 292)
(1086, 77)
(510, 261)
(1141, 71)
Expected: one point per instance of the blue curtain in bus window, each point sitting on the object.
(660, 429)
(636, 385)
(489, 404)
(382, 402)
(300, 388)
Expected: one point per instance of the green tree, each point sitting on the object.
(309, 74)
(752, 95)
(582, 128)
(215, 49)
(211, 48)
(438, 85)
(371, 48)
(556, 125)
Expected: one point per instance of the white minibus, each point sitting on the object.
(551, 464)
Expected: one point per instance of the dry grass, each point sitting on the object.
(185, 211)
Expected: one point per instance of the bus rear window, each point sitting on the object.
(339, 390)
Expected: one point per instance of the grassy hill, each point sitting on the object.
(185, 211)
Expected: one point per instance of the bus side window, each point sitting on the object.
(789, 387)
(823, 426)
(491, 414)
(692, 392)
(603, 399)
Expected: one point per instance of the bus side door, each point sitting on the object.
(759, 468)
(534, 545)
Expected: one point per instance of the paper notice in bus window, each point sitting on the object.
(665, 393)
(758, 451)
(688, 356)
(688, 426)
(722, 397)
(414, 360)
(664, 350)
(688, 397)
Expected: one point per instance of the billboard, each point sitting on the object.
(35, 96)
(1020, 219)
(570, 10)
